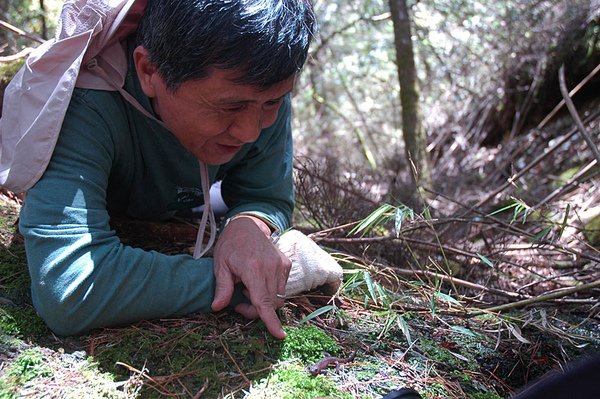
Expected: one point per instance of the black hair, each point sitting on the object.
(267, 40)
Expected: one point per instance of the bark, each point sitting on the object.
(413, 132)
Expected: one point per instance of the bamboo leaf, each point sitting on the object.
(541, 234)
(514, 204)
(486, 260)
(371, 220)
(402, 213)
(317, 313)
(516, 331)
(404, 327)
(447, 298)
(564, 222)
(370, 287)
(466, 331)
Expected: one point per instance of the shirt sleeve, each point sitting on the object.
(262, 182)
(82, 276)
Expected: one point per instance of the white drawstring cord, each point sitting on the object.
(207, 214)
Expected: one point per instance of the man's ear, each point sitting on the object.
(146, 71)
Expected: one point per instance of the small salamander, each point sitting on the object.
(322, 364)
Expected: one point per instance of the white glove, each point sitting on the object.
(312, 267)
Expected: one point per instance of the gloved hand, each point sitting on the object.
(312, 267)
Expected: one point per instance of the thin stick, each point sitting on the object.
(234, 362)
(567, 185)
(20, 32)
(536, 161)
(542, 298)
(575, 115)
(571, 94)
(457, 281)
(448, 279)
(363, 240)
(21, 54)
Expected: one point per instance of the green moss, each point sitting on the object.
(484, 395)
(308, 344)
(14, 275)
(291, 381)
(8, 70)
(22, 322)
(29, 365)
(444, 357)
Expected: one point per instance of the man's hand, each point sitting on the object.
(244, 253)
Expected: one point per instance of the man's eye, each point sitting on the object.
(233, 108)
(272, 103)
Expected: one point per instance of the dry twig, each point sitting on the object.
(575, 115)
(542, 298)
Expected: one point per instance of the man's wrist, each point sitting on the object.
(264, 226)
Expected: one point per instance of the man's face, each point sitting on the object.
(213, 117)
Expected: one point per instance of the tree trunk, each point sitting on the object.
(413, 132)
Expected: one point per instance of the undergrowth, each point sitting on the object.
(419, 325)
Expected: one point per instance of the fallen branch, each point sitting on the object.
(536, 161)
(447, 279)
(394, 240)
(575, 115)
(456, 281)
(21, 54)
(542, 298)
(571, 94)
(31, 36)
(568, 185)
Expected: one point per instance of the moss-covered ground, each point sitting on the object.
(405, 333)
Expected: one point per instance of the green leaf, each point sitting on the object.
(372, 220)
(541, 234)
(486, 260)
(402, 213)
(404, 327)
(447, 298)
(371, 287)
(466, 331)
(317, 313)
(564, 222)
(514, 204)
(391, 318)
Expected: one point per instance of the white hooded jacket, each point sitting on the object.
(86, 52)
(36, 100)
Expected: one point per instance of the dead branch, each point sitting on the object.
(536, 161)
(449, 279)
(31, 36)
(574, 114)
(568, 184)
(541, 298)
(21, 54)
(571, 94)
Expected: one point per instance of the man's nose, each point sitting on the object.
(247, 125)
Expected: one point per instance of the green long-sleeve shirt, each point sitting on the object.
(109, 157)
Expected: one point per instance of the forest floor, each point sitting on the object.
(476, 294)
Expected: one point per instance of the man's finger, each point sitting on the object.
(247, 310)
(269, 317)
(223, 289)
